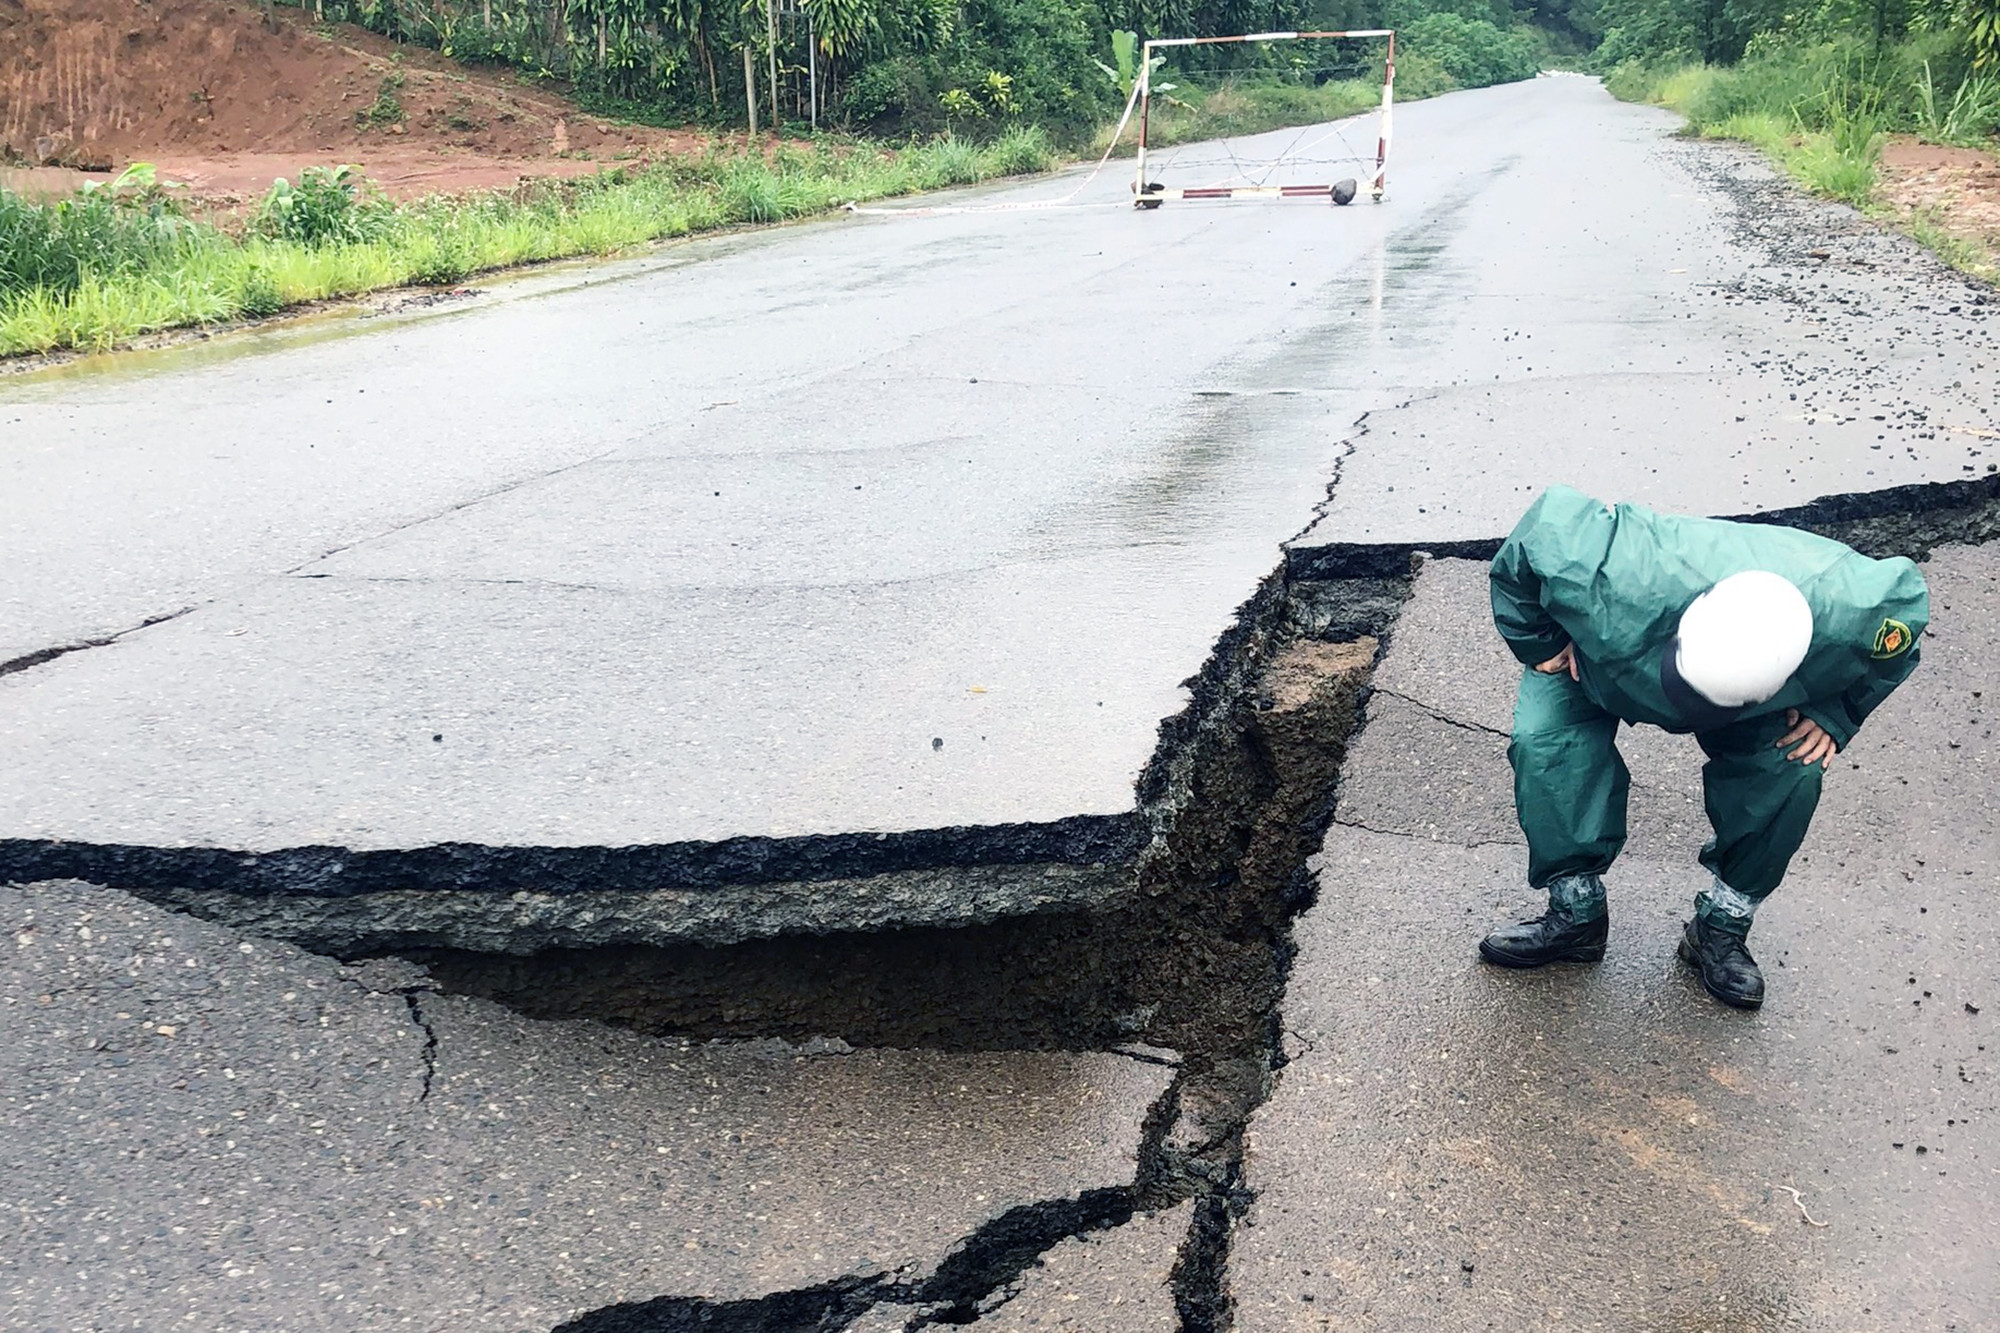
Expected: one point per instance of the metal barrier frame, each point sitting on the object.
(1151, 196)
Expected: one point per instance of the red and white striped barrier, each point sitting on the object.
(1151, 194)
(1242, 192)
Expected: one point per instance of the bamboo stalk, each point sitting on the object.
(771, 33)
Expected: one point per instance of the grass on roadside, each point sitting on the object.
(119, 261)
(1838, 164)
(1826, 131)
(102, 267)
(1824, 113)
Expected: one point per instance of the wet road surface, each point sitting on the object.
(231, 1133)
(830, 530)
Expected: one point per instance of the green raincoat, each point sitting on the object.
(1614, 581)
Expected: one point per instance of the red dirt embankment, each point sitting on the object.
(1957, 189)
(1963, 184)
(226, 94)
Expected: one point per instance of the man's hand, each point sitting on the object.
(1814, 745)
(1561, 662)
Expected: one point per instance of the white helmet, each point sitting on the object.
(1742, 639)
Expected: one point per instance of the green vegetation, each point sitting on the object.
(387, 109)
(1967, 118)
(1817, 88)
(1823, 111)
(326, 207)
(125, 226)
(1828, 133)
(914, 69)
(1474, 52)
(99, 268)
(971, 89)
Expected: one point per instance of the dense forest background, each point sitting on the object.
(975, 67)
(920, 67)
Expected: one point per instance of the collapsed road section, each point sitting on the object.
(1200, 964)
(1180, 989)
(792, 711)
(1176, 986)
(1260, 735)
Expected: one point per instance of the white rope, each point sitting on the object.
(1061, 201)
(1296, 154)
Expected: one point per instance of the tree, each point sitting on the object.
(1982, 26)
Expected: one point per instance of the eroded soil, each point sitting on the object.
(226, 96)
(1957, 189)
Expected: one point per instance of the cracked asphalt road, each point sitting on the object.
(224, 1132)
(828, 528)
(634, 560)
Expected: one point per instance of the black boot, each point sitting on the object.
(1728, 972)
(1553, 937)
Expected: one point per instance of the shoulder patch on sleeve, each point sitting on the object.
(1892, 640)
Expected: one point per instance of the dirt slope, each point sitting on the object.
(226, 95)
(1959, 188)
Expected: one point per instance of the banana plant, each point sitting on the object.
(1125, 50)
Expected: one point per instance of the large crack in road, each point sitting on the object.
(1198, 967)
(1193, 964)
(1145, 952)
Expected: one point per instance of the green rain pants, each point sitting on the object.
(1570, 785)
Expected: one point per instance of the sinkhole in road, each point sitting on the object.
(1190, 969)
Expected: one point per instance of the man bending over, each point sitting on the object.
(1769, 644)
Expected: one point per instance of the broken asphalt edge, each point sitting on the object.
(1221, 763)
(737, 888)
(1897, 520)
(352, 903)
